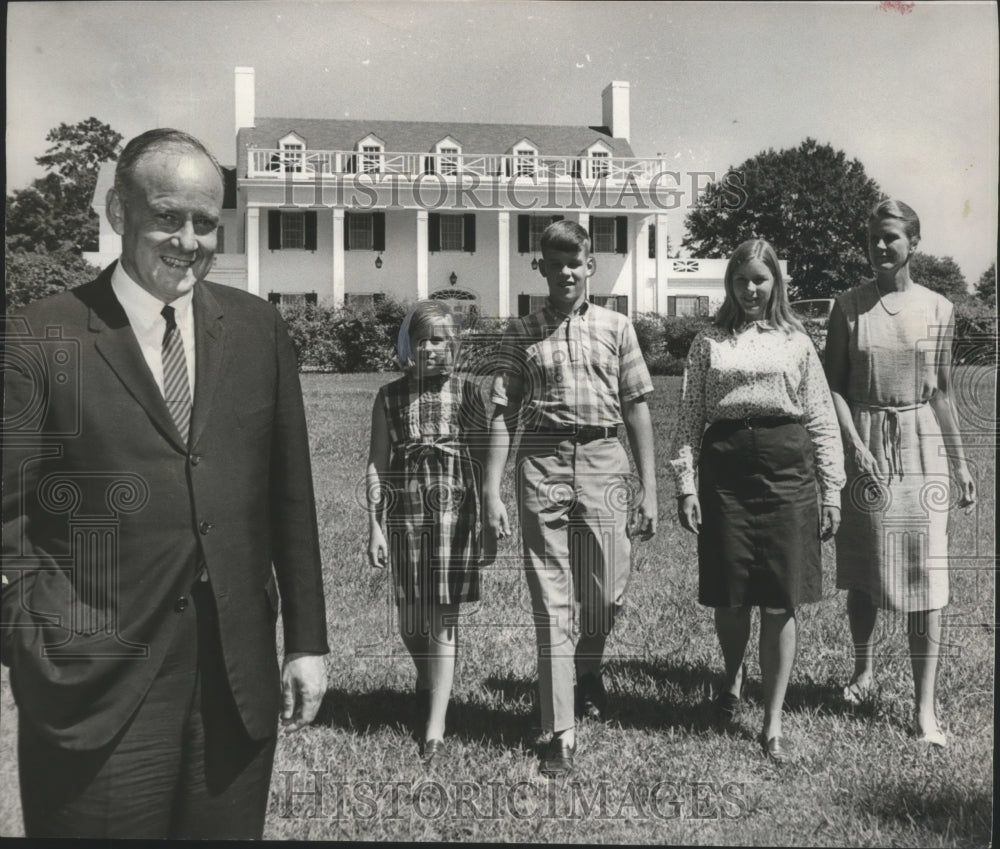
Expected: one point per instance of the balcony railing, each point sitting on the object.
(308, 164)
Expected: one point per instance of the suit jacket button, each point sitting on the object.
(181, 604)
(195, 459)
(205, 527)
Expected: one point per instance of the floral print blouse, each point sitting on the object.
(759, 371)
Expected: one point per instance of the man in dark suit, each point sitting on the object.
(156, 482)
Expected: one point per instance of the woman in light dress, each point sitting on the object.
(889, 368)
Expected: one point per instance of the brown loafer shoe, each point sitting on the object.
(558, 759)
(778, 749)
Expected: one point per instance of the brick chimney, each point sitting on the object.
(245, 116)
(614, 102)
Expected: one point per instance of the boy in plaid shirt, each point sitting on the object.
(572, 372)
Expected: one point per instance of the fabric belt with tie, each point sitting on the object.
(891, 433)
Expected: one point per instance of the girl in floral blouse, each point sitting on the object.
(758, 424)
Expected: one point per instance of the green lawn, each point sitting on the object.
(657, 772)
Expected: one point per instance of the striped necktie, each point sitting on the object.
(176, 390)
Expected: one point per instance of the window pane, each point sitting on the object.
(371, 159)
(452, 232)
(448, 160)
(524, 163)
(293, 157)
(604, 234)
(293, 230)
(599, 165)
(361, 232)
(687, 305)
(536, 227)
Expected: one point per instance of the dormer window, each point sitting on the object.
(600, 164)
(446, 157)
(448, 161)
(372, 151)
(293, 153)
(524, 160)
(598, 161)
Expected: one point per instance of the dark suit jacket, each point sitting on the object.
(107, 516)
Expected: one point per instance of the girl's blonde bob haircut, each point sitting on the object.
(420, 317)
(777, 311)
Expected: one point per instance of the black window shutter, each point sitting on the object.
(523, 304)
(622, 304)
(378, 231)
(556, 218)
(311, 298)
(523, 236)
(274, 297)
(590, 231)
(703, 305)
(311, 230)
(273, 230)
(347, 231)
(671, 305)
(470, 232)
(621, 234)
(429, 164)
(434, 232)
(652, 241)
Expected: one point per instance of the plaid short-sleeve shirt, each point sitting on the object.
(566, 371)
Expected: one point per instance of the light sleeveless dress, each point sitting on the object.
(893, 538)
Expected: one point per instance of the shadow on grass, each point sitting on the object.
(681, 698)
(961, 815)
(510, 725)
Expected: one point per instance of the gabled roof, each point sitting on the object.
(421, 136)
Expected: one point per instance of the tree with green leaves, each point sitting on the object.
(986, 286)
(940, 274)
(31, 275)
(53, 213)
(810, 202)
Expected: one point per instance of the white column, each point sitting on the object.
(338, 257)
(640, 253)
(662, 264)
(253, 250)
(421, 254)
(503, 264)
(583, 219)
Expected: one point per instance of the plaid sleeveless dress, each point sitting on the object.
(432, 510)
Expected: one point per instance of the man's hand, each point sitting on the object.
(689, 513)
(303, 685)
(829, 522)
(642, 521)
(496, 517)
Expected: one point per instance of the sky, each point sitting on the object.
(909, 89)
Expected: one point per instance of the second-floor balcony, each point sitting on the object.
(298, 164)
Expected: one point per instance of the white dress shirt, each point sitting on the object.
(143, 312)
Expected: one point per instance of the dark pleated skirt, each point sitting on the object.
(759, 539)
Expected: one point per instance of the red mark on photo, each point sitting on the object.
(904, 8)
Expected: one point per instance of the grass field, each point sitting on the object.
(658, 771)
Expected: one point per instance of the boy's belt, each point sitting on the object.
(584, 433)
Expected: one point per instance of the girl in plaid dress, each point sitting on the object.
(424, 503)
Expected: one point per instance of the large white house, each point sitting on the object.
(347, 211)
